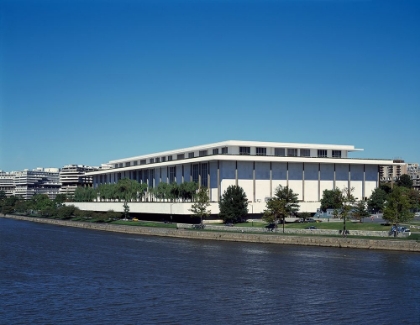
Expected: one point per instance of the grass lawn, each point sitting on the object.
(144, 224)
(320, 225)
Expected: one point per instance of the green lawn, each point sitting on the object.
(320, 225)
(144, 224)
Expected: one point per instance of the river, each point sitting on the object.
(58, 275)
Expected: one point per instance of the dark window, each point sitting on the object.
(261, 151)
(195, 173)
(336, 153)
(322, 153)
(305, 152)
(244, 150)
(172, 174)
(204, 174)
(281, 152)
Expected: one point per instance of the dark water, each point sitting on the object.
(56, 275)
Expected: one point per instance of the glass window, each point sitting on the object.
(244, 150)
(322, 153)
(180, 156)
(195, 173)
(204, 175)
(202, 153)
(281, 152)
(291, 152)
(191, 155)
(225, 150)
(172, 174)
(305, 152)
(216, 151)
(261, 151)
(336, 153)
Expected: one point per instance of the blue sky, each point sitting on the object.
(85, 82)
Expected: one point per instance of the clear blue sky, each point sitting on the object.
(90, 81)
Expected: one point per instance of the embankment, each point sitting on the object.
(384, 244)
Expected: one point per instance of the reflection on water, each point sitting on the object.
(54, 274)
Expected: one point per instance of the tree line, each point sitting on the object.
(128, 190)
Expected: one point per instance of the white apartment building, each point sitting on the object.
(258, 167)
(38, 181)
(73, 176)
(7, 182)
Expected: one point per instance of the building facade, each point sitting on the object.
(38, 181)
(258, 167)
(74, 176)
(7, 182)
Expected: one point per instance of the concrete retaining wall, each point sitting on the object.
(385, 244)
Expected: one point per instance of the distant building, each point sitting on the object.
(37, 181)
(392, 173)
(7, 182)
(74, 176)
(414, 172)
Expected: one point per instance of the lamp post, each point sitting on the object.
(171, 211)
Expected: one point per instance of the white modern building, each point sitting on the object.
(73, 176)
(7, 182)
(258, 167)
(37, 181)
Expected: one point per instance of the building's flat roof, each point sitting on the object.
(240, 143)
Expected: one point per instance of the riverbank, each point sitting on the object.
(340, 242)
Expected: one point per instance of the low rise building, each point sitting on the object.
(258, 167)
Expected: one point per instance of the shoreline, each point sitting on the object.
(338, 242)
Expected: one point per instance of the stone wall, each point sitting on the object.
(272, 238)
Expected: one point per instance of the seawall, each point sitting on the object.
(340, 242)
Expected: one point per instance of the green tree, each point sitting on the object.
(398, 206)
(414, 199)
(376, 201)
(360, 211)
(331, 199)
(283, 204)
(126, 210)
(386, 186)
(405, 181)
(233, 204)
(85, 194)
(345, 203)
(162, 191)
(60, 199)
(202, 202)
(187, 191)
